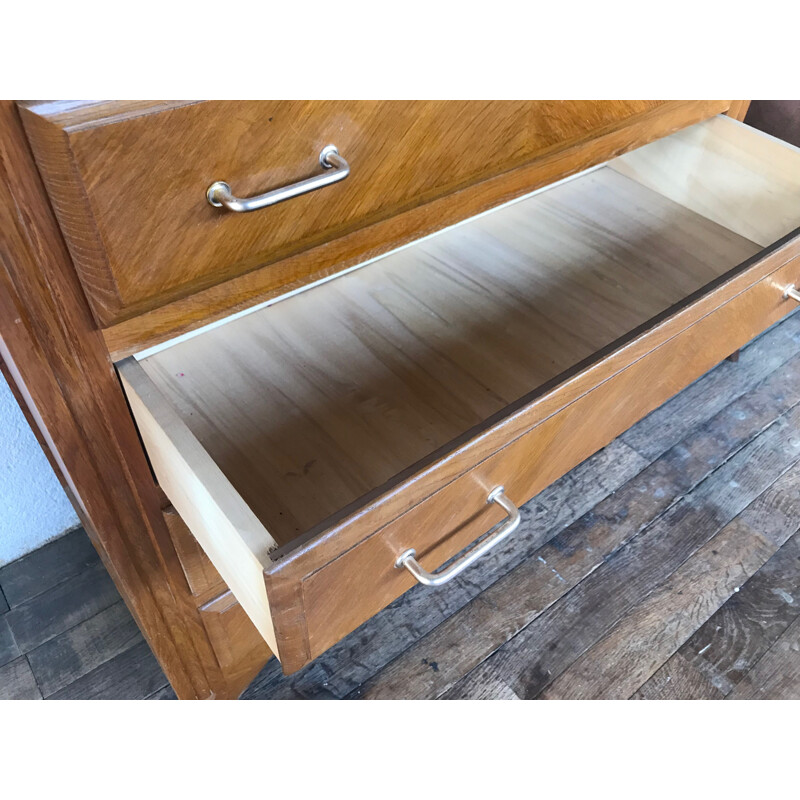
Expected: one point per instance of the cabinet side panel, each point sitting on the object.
(54, 354)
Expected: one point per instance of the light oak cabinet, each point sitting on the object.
(494, 292)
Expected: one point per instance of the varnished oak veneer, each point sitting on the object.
(738, 109)
(239, 647)
(129, 191)
(321, 262)
(204, 581)
(458, 514)
(329, 602)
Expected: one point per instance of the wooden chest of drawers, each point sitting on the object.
(329, 447)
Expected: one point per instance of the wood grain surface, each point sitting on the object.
(232, 536)
(678, 680)
(679, 465)
(738, 109)
(558, 638)
(129, 189)
(612, 473)
(204, 581)
(152, 556)
(455, 513)
(239, 646)
(17, 682)
(777, 674)
(626, 657)
(731, 642)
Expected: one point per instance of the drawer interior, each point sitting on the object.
(321, 399)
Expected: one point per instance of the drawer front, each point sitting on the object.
(128, 182)
(201, 575)
(352, 587)
(239, 647)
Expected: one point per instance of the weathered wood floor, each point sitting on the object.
(666, 566)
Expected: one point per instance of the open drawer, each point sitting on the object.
(311, 444)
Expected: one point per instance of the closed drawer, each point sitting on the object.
(128, 182)
(309, 444)
(240, 650)
(203, 579)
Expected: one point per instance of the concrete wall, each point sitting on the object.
(33, 506)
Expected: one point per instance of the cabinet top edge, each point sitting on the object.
(75, 115)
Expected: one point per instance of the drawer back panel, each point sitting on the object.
(128, 180)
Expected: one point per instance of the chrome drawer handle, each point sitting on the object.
(409, 561)
(791, 291)
(337, 169)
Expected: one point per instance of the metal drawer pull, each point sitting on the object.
(791, 291)
(409, 561)
(337, 169)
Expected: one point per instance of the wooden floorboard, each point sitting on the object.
(164, 693)
(726, 648)
(622, 580)
(8, 645)
(776, 676)
(17, 681)
(76, 652)
(132, 675)
(645, 638)
(46, 567)
(536, 656)
(515, 601)
(69, 603)
(678, 680)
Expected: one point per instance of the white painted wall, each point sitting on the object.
(33, 506)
